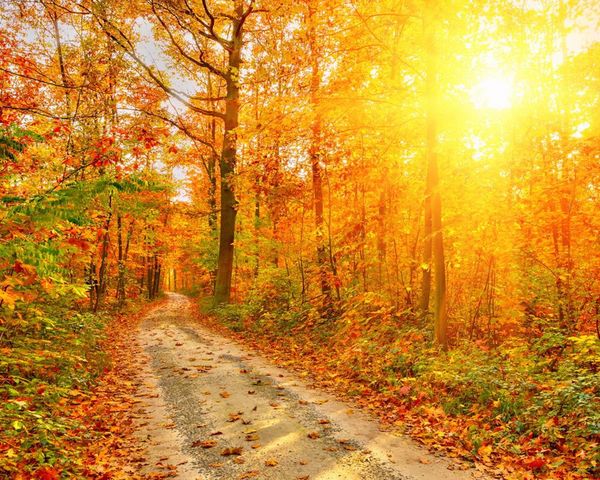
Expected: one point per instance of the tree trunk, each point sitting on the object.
(61, 63)
(120, 262)
(92, 281)
(212, 167)
(123, 252)
(228, 164)
(102, 280)
(257, 229)
(381, 243)
(426, 266)
(150, 275)
(437, 241)
(212, 195)
(315, 155)
(157, 272)
(143, 274)
(257, 187)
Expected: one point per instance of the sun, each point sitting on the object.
(495, 92)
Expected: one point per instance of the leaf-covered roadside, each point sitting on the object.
(63, 404)
(77, 238)
(526, 409)
(47, 365)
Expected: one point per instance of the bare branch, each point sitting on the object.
(211, 26)
(245, 16)
(209, 99)
(46, 82)
(43, 113)
(180, 126)
(197, 61)
(121, 39)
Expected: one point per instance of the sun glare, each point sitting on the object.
(493, 92)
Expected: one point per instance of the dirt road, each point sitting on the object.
(209, 409)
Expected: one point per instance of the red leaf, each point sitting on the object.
(405, 390)
(47, 473)
(536, 464)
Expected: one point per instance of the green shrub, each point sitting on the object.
(231, 315)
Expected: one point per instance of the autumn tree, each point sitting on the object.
(433, 234)
(209, 41)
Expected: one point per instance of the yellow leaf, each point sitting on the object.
(485, 451)
(8, 299)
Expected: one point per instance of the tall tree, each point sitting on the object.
(434, 240)
(316, 147)
(210, 40)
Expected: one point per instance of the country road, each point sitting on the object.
(211, 409)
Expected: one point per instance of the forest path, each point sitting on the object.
(211, 409)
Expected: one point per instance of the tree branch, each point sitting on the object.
(200, 61)
(119, 37)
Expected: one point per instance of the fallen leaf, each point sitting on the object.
(271, 462)
(314, 435)
(405, 390)
(536, 464)
(204, 443)
(47, 473)
(485, 451)
(234, 417)
(250, 474)
(232, 451)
